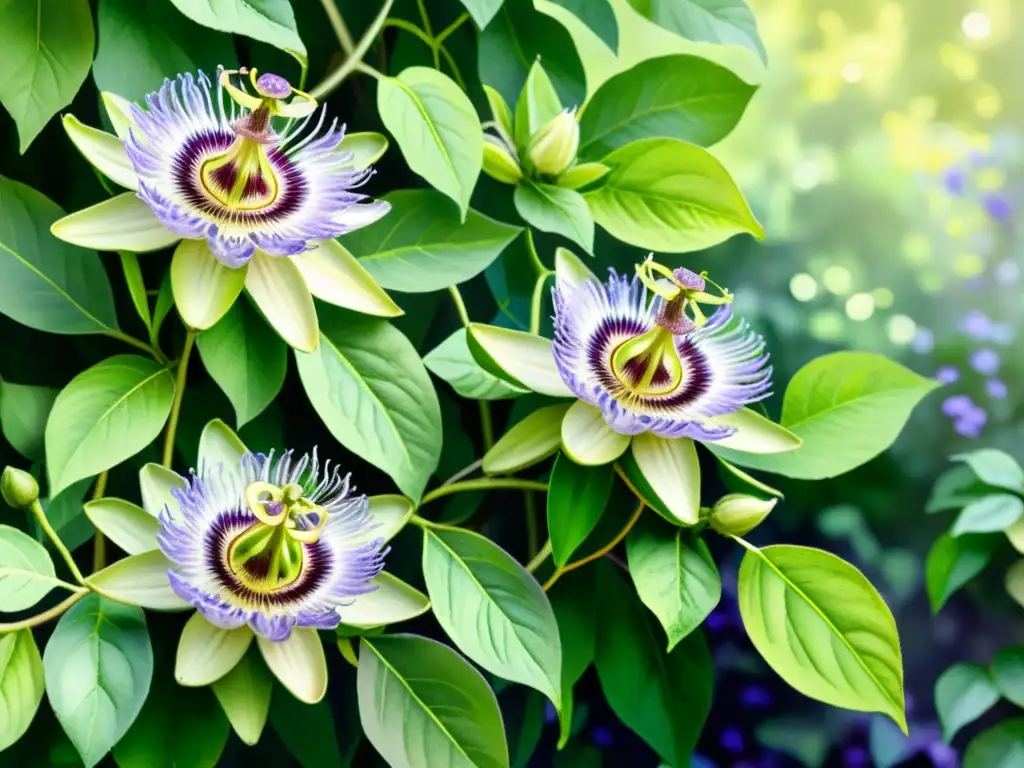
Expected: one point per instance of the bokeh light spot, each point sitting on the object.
(837, 280)
(883, 297)
(901, 330)
(860, 306)
(803, 286)
(976, 25)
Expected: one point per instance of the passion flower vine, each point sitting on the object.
(250, 178)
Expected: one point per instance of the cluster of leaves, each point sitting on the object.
(640, 171)
(986, 486)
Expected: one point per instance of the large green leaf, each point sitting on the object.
(670, 196)
(482, 11)
(244, 695)
(577, 497)
(598, 16)
(370, 388)
(48, 48)
(955, 488)
(437, 129)
(422, 705)
(269, 21)
(452, 361)
(706, 21)
(995, 512)
(246, 359)
(1001, 746)
(994, 467)
(513, 41)
(674, 575)
(575, 606)
(423, 246)
(555, 209)
(98, 666)
(679, 97)
(23, 412)
(26, 570)
(663, 697)
(952, 562)
(107, 414)
(821, 625)
(1008, 673)
(21, 684)
(46, 283)
(158, 41)
(494, 611)
(847, 407)
(306, 729)
(963, 693)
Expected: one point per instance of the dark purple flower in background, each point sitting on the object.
(956, 405)
(856, 757)
(756, 697)
(997, 205)
(947, 374)
(954, 179)
(732, 740)
(602, 737)
(985, 361)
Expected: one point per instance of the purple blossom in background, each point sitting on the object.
(943, 755)
(550, 713)
(985, 362)
(977, 157)
(1001, 334)
(732, 740)
(856, 757)
(957, 405)
(996, 388)
(997, 206)
(954, 179)
(602, 737)
(971, 423)
(947, 374)
(1007, 272)
(923, 341)
(756, 697)
(976, 324)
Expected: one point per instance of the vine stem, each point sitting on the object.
(99, 544)
(138, 344)
(469, 469)
(37, 510)
(559, 572)
(483, 484)
(335, 79)
(486, 423)
(339, 26)
(540, 557)
(532, 527)
(45, 616)
(179, 394)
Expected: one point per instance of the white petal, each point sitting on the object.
(104, 151)
(219, 445)
(130, 527)
(206, 653)
(156, 483)
(587, 439)
(391, 602)
(363, 214)
(280, 291)
(204, 289)
(336, 276)
(672, 469)
(123, 223)
(140, 580)
(120, 113)
(366, 148)
(519, 357)
(388, 515)
(755, 434)
(298, 662)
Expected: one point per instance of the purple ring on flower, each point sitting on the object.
(213, 516)
(707, 371)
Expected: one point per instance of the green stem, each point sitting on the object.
(469, 469)
(460, 81)
(99, 544)
(537, 303)
(426, 19)
(353, 62)
(483, 484)
(412, 29)
(37, 510)
(540, 557)
(152, 351)
(179, 394)
(532, 529)
(339, 26)
(486, 425)
(600, 553)
(444, 33)
(45, 616)
(460, 305)
(531, 247)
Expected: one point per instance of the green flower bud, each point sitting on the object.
(553, 148)
(499, 163)
(18, 488)
(739, 514)
(582, 174)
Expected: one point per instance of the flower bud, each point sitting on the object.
(499, 163)
(739, 514)
(18, 488)
(553, 148)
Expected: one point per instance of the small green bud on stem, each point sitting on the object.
(739, 514)
(553, 148)
(19, 489)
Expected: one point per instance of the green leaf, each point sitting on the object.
(422, 246)
(598, 16)
(437, 129)
(520, 358)
(576, 499)
(246, 359)
(847, 407)
(418, 697)
(952, 562)
(158, 41)
(48, 48)
(558, 210)
(1001, 746)
(21, 684)
(136, 287)
(269, 21)
(452, 361)
(369, 386)
(729, 22)
(307, 730)
(821, 625)
(45, 283)
(98, 666)
(23, 412)
(1014, 582)
(670, 196)
(678, 97)
(107, 414)
(674, 575)
(663, 697)
(482, 11)
(963, 693)
(537, 105)
(573, 601)
(528, 442)
(176, 727)
(494, 611)
(514, 40)
(994, 467)
(954, 489)
(990, 513)
(65, 513)
(244, 695)
(1008, 673)
(26, 570)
